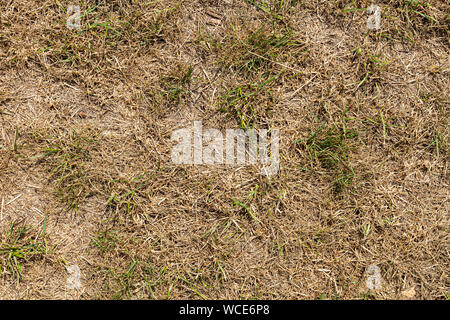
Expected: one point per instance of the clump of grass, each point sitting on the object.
(120, 277)
(258, 51)
(245, 209)
(371, 70)
(411, 19)
(68, 159)
(276, 9)
(126, 196)
(420, 14)
(175, 84)
(105, 241)
(123, 281)
(134, 273)
(328, 148)
(401, 19)
(172, 89)
(248, 102)
(22, 244)
(258, 58)
(108, 28)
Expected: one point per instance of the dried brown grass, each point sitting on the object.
(86, 120)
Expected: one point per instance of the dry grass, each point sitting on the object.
(86, 118)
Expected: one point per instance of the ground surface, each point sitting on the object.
(86, 176)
